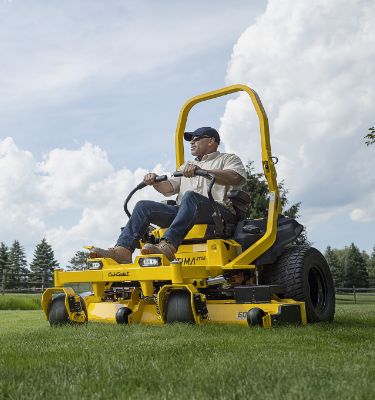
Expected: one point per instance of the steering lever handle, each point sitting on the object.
(160, 178)
(199, 172)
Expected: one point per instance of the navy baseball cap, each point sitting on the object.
(204, 131)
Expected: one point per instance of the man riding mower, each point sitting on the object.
(206, 262)
(193, 205)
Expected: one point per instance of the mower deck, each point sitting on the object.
(275, 313)
(137, 301)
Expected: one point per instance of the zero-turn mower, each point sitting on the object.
(249, 273)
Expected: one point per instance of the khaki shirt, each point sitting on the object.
(199, 184)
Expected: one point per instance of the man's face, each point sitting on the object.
(202, 145)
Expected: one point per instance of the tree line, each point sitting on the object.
(351, 267)
(15, 272)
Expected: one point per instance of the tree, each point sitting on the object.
(370, 137)
(17, 264)
(355, 269)
(43, 263)
(257, 187)
(4, 256)
(336, 266)
(4, 260)
(371, 269)
(79, 261)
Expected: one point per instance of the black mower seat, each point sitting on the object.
(249, 231)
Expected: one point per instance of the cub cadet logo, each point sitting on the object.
(118, 274)
(191, 260)
(242, 315)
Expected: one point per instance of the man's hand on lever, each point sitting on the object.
(149, 178)
(161, 185)
(190, 170)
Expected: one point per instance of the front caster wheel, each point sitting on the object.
(58, 314)
(179, 307)
(122, 315)
(255, 317)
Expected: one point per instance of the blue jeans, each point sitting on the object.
(194, 209)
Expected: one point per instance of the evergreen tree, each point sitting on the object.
(367, 260)
(342, 255)
(337, 267)
(4, 256)
(43, 263)
(365, 256)
(371, 269)
(17, 265)
(79, 261)
(355, 271)
(4, 260)
(257, 187)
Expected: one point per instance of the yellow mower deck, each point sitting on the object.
(194, 264)
(227, 312)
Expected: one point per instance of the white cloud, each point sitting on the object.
(313, 65)
(70, 174)
(365, 211)
(18, 192)
(31, 192)
(53, 54)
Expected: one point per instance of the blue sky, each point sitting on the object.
(91, 93)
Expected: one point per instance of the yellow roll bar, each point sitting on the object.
(267, 240)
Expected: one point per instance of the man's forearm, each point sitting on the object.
(227, 177)
(164, 187)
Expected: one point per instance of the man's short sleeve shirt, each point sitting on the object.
(199, 184)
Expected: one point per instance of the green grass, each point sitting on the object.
(321, 361)
(20, 302)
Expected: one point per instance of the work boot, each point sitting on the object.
(120, 254)
(161, 248)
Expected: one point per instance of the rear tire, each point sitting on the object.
(304, 274)
(179, 307)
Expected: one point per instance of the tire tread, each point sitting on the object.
(289, 272)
